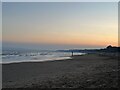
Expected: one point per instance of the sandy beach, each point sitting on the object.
(86, 71)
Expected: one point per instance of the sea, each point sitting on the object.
(22, 55)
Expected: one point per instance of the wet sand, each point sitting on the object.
(87, 71)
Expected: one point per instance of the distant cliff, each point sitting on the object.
(110, 49)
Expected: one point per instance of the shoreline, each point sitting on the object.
(46, 60)
(80, 70)
(37, 61)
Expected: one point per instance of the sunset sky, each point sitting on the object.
(73, 25)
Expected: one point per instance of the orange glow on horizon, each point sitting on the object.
(93, 41)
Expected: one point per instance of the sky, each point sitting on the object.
(60, 0)
(60, 25)
(0, 27)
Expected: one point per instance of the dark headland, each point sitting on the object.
(99, 68)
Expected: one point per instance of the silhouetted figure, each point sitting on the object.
(72, 53)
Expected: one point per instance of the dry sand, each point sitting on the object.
(87, 71)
